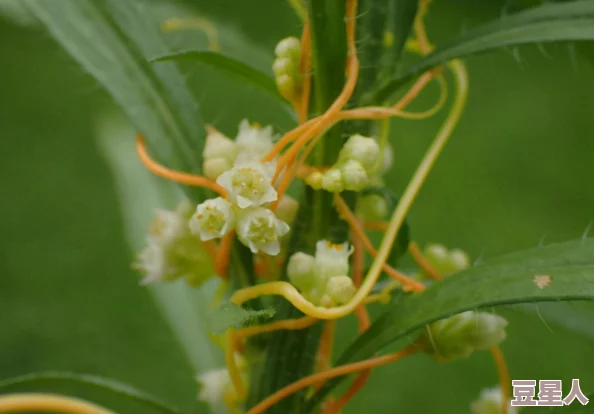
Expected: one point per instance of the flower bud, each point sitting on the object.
(362, 149)
(219, 146)
(489, 402)
(446, 262)
(314, 180)
(331, 260)
(289, 47)
(214, 167)
(284, 66)
(372, 207)
(460, 335)
(332, 180)
(327, 302)
(286, 86)
(287, 208)
(341, 289)
(213, 218)
(354, 176)
(260, 230)
(300, 271)
(253, 141)
(249, 184)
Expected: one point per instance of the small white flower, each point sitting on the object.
(489, 402)
(249, 184)
(213, 386)
(331, 259)
(253, 142)
(213, 218)
(166, 226)
(153, 262)
(260, 230)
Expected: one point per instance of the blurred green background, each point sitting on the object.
(517, 172)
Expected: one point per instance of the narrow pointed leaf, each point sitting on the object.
(230, 66)
(111, 40)
(553, 22)
(507, 280)
(93, 381)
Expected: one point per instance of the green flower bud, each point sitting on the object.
(219, 146)
(341, 289)
(444, 261)
(214, 167)
(354, 176)
(314, 180)
(284, 66)
(286, 86)
(287, 208)
(300, 271)
(332, 180)
(460, 335)
(289, 47)
(362, 149)
(372, 207)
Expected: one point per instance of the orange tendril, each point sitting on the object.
(504, 379)
(223, 254)
(329, 374)
(175, 176)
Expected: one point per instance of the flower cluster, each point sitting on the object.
(462, 334)
(215, 386)
(172, 251)
(445, 262)
(323, 279)
(248, 183)
(356, 162)
(286, 67)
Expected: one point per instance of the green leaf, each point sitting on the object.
(106, 384)
(230, 315)
(230, 66)
(401, 17)
(507, 280)
(111, 40)
(546, 23)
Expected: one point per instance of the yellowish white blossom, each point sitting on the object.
(249, 184)
(213, 218)
(260, 230)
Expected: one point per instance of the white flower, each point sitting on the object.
(153, 262)
(249, 184)
(260, 230)
(213, 218)
(489, 402)
(166, 226)
(213, 386)
(331, 259)
(253, 142)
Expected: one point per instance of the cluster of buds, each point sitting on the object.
(489, 402)
(462, 334)
(172, 251)
(286, 67)
(356, 162)
(323, 279)
(236, 166)
(445, 262)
